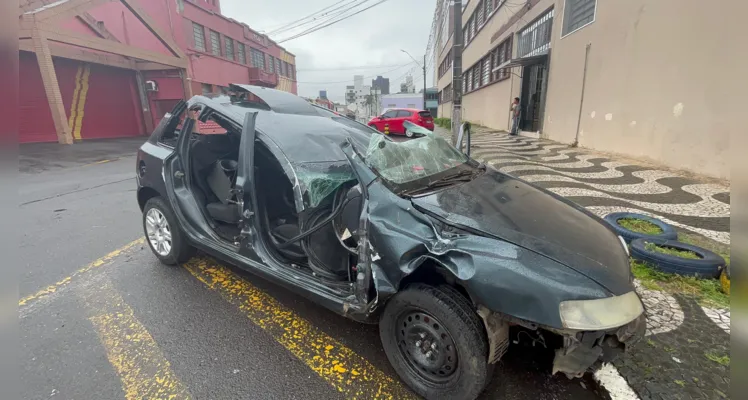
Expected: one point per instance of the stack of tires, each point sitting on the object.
(709, 265)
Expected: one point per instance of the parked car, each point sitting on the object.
(446, 254)
(393, 118)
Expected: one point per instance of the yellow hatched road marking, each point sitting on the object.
(142, 368)
(101, 261)
(338, 365)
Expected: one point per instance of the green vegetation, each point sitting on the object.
(443, 122)
(680, 382)
(640, 225)
(708, 292)
(721, 360)
(671, 251)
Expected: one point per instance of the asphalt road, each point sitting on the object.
(100, 318)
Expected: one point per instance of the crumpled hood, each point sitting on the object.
(538, 220)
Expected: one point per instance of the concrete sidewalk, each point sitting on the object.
(686, 352)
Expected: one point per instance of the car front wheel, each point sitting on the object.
(436, 342)
(163, 234)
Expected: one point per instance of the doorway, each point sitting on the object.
(534, 83)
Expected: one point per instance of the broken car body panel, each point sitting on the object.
(517, 250)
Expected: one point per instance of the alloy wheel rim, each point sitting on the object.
(158, 231)
(427, 346)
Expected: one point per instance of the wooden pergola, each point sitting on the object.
(39, 33)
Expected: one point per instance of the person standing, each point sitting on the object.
(515, 108)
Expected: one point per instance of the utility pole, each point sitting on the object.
(457, 70)
(424, 81)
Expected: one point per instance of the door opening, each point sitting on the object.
(534, 84)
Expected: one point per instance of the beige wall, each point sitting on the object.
(659, 84)
(489, 106)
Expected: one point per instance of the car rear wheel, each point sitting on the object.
(436, 342)
(163, 234)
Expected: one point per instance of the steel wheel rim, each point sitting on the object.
(158, 231)
(427, 346)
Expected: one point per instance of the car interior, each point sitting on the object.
(321, 239)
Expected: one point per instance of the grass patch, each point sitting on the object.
(680, 383)
(708, 292)
(639, 225)
(721, 360)
(672, 251)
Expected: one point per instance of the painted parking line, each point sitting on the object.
(55, 287)
(339, 366)
(141, 366)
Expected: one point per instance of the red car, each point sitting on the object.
(394, 118)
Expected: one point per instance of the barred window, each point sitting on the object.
(271, 64)
(215, 43)
(578, 13)
(258, 58)
(241, 53)
(481, 14)
(472, 28)
(229, 45)
(486, 70)
(278, 66)
(476, 76)
(198, 33)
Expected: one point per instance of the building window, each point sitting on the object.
(290, 71)
(198, 33)
(577, 14)
(535, 38)
(446, 64)
(285, 69)
(278, 64)
(481, 14)
(207, 88)
(500, 55)
(486, 71)
(215, 43)
(229, 44)
(258, 58)
(271, 64)
(241, 53)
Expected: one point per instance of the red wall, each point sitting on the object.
(125, 26)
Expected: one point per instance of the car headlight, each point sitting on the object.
(625, 245)
(600, 314)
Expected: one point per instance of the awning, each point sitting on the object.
(524, 61)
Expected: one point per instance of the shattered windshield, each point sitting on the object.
(319, 180)
(412, 160)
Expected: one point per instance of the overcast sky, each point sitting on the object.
(372, 38)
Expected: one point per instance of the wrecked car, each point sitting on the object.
(446, 254)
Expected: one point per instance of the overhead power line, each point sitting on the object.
(284, 25)
(323, 17)
(318, 27)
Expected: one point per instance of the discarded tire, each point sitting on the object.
(709, 265)
(668, 232)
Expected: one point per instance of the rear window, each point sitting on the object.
(424, 114)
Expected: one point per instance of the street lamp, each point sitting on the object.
(423, 66)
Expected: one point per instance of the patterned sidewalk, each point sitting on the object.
(681, 356)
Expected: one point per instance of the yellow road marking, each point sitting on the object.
(338, 365)
(56, 286)
(144, 371)
(76, 93)
(82, 102)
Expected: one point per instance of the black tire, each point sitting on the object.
(708, 266)
(180, 250)
(451, 315)
(668, 232)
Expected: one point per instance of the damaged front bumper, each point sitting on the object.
(586, 350)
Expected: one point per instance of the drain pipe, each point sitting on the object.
(581, 98)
